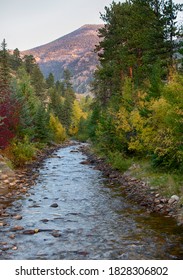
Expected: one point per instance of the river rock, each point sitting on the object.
(45, 220)
(54, 205)
(85, 162)
(175, 197)
(17, 217)
(4, 176)
(31, 231)
(56, 233)
(3, 224)
(17, 228)
(12, 236)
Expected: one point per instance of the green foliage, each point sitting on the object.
(119, 161)
(22, 151)
(50, 81)
(15, 60)
(4, 69)
(41, 124)
(138, 107)
(38, 82)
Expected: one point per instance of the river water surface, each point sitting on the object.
(81, 216)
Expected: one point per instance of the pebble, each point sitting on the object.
(17, 228)
(175, 197)
(163, 200)
(44, 220)
(56, 233)
(172, 201)
(6, 181)
(3, 224)
(159, 206)
(54, 205)
(31, 231)
(85, 162)
(5, 248)
(4, 176)
(17, 217)
(12, 236)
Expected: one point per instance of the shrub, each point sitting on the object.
(22, 151)
(118, 161)
(59, 133)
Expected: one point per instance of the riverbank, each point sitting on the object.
(15, 182)
(147, 196)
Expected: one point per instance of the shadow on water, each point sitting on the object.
(80, 216)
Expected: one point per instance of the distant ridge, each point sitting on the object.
(74, 51)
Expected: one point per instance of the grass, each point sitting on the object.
(167, 183)
(118, 161)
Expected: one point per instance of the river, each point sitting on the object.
(81, 216)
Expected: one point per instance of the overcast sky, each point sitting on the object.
(29, 23)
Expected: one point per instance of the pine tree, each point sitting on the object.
(50, 81)
(29, 62)
(16, 60)
(37, 80)
(4, 69)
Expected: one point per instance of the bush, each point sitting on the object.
(59, 133)
(118, 161)
(22, 151)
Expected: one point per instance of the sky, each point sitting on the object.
(30, 23)
(26, 24)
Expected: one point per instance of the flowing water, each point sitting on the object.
(81, 216)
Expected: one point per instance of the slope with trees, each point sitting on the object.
(137, 110)
(34, 112)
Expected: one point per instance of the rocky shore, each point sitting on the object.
(136, 190)
(14, 183)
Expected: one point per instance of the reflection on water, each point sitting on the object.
(82, 217)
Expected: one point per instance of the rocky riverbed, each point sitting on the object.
(137, 190)
(70, 204)
(15, 182)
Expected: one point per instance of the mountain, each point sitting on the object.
(74, 51)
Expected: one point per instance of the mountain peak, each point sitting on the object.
(74, 51)
(92, 26)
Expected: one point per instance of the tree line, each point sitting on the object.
(138, 86)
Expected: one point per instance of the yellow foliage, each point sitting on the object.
(22, 152)
(122, 120)
(57, 129)
(77, 114)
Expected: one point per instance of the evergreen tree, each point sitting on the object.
(4, 69)
(15, 60)
(38, 82)
(50, 81)
(41, 122)
(136, 37)
(29, 62)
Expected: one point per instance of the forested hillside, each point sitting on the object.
(138, 105)
(34, 112)
(75, 52)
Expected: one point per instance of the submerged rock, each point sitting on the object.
(56, 233)
(54, 205)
